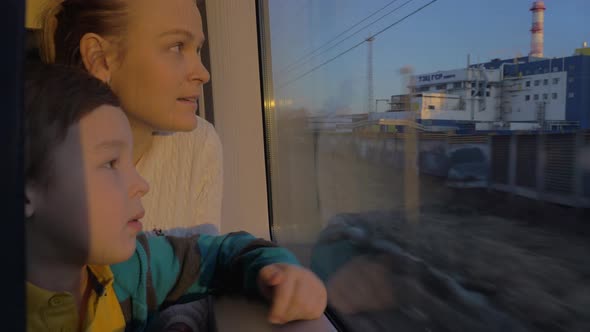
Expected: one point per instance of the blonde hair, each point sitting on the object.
(65, 22)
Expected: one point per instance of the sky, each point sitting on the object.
(439, 37)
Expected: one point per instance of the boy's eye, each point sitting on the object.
(111, 164)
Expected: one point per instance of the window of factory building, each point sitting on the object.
(571, 80)
(555, 69)
(458, 211)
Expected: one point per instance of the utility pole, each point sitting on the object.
(370, 92)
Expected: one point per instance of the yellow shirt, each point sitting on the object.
(51, 311)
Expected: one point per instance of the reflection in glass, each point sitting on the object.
(461, 205)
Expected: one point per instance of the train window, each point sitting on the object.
(432, 221)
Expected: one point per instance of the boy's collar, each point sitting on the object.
(58, 309)
(101, 277)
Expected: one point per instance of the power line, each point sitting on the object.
(289, 67)
(361, 29)
(357, 45)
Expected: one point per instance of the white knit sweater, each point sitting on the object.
(184, 170)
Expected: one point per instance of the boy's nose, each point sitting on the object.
(141, 186)
(145, 186)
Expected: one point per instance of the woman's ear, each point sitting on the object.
(93, 49)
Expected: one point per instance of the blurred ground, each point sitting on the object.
(529, 260)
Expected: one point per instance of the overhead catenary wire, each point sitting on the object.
(356, 45)
(354, 34)
(289, 68)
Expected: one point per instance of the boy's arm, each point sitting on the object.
(232, 262)
(191, 267)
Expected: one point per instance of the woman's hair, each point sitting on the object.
(56, 97)
(65, 22)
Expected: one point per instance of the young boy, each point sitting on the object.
(88, 266)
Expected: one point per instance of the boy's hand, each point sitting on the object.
(295, 293)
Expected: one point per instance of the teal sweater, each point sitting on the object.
(166, 270)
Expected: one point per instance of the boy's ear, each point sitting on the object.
(93, 50)
(31, 201)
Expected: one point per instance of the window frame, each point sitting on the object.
(12, 28)
(235, 69)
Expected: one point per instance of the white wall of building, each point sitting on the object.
(545, 90)
(499, 100)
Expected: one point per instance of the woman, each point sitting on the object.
(149, 53)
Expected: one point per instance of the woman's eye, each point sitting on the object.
(177, 48)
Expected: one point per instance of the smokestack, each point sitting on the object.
(537, 30)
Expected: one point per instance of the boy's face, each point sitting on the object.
(90, 207)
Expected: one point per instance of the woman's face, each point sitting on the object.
(160, 76)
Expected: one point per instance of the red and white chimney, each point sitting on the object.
(537, 30)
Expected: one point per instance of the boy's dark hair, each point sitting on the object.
(56, 97)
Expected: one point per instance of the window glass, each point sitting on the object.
(425, 218)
